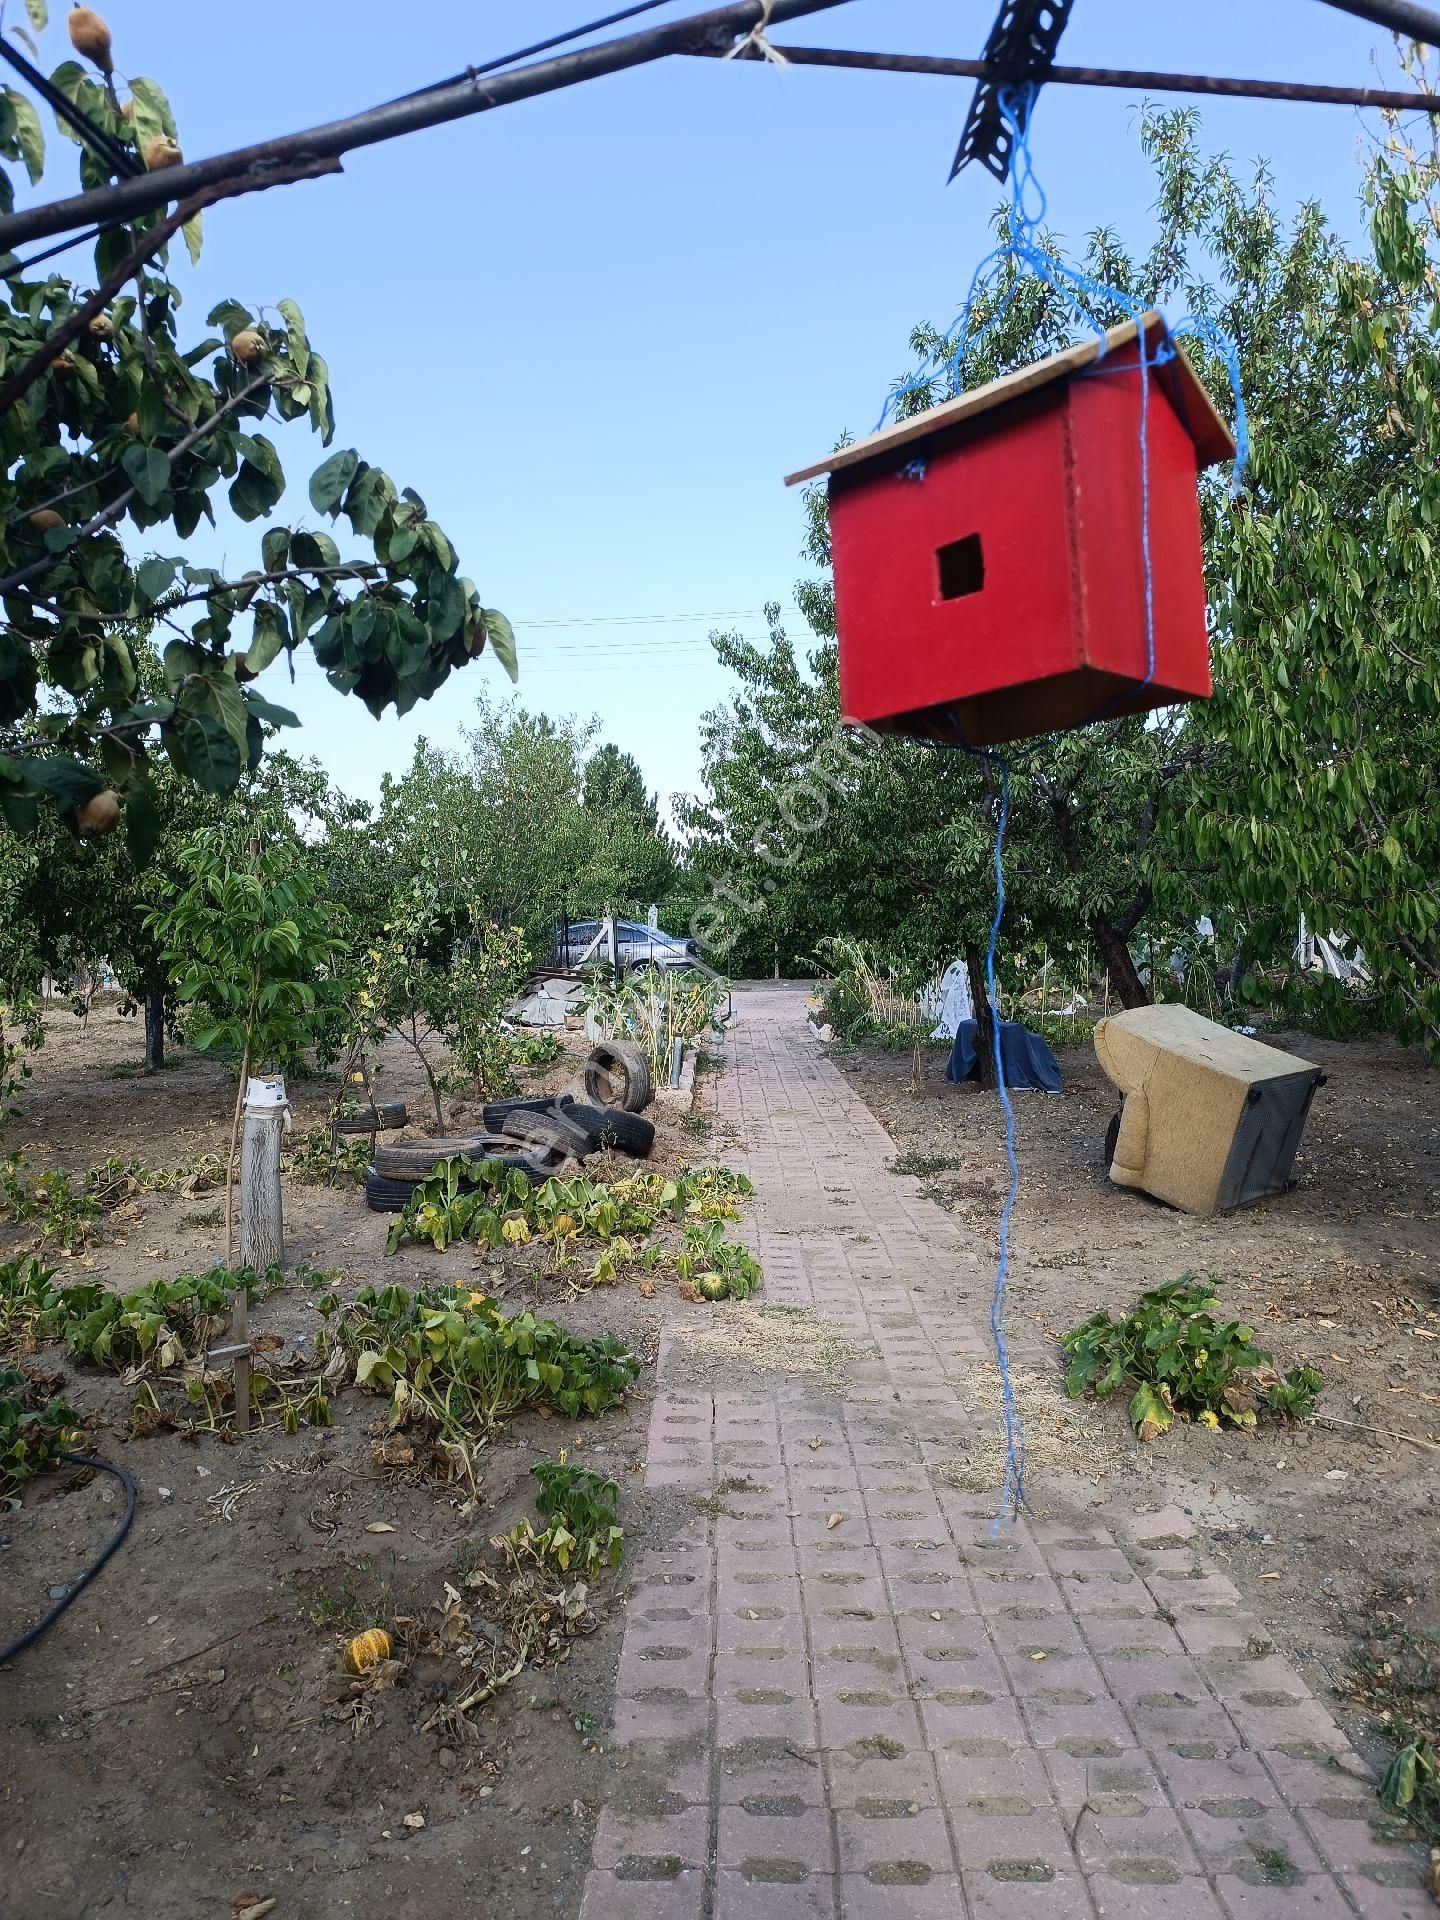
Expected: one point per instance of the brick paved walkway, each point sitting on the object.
(899, 1714)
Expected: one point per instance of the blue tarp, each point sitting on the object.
(1027, 1059)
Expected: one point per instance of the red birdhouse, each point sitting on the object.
(989, 566)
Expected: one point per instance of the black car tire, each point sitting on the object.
(387, 1196)
(617, 1074)
(555, 1128)
(416, 1160)
(613, 1127)
(493, 1113)
(386, 1193)
(374, 1119)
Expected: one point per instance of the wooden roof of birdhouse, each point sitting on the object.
(1175, 377)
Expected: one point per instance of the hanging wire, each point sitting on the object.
(995, 283)
(539, 46)
(19, 267)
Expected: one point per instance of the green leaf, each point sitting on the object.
(331, 480)
(206, 751)
(501, 635)
(180, 659)
(28, 133)
(39, 14)
(154, 577)
(194, 237)
(68, 782)
(142, 822)
(215, 695)
(297, 346)
(148, 471)
(230, 317)
(270, 638)
(153, 117)
(268, 711)
(1150, 1413)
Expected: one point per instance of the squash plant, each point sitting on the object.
(1178, 1360)
(32, 1435)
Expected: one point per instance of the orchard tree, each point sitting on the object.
(504, 821)
(111, 420)
(615, 792)
(1312, 779)
(71, 904)
(252, 952)
(438, 977)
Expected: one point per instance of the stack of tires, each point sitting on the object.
(534, 1136)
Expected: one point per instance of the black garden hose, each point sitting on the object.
(72, 1592)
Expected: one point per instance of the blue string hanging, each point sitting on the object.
(1020, 255)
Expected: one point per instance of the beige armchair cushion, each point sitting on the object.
(1211, 1118)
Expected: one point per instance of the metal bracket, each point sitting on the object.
(1022, 45)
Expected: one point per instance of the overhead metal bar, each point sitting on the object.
(711, 32)
(1130, 78)
(1400, 16)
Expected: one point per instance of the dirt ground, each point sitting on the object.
(174, 1740)
(1326, 1529)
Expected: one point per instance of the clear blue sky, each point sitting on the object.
(594, 330)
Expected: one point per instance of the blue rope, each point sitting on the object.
(1012, 1492)
(1022, 254)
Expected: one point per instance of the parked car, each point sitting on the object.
(639, 946)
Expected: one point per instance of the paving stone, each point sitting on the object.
(683, 1836)
(769, 1768)
(749, 1896)
(901, 1891)
(1317, 1897)
(609, 1897)
(1012, 1887)
(798, 1835)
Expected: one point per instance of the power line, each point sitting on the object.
(640, 619)
(538, 46)
(104, 145)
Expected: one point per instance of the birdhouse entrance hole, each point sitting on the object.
(962, 567)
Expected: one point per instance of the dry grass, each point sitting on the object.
(1061, 1434)
(770, 1339)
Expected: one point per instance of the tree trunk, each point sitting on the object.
(1114, 950)
(154, 1029)
(984, 1015)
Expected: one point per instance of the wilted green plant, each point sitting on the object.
(1177, 1359)
(312, 1160)
(718, 1268)
(485, 1201)
(449, 1359)
(155, 1327)
(582, 1511)
(32, 1433)
(862, 996)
